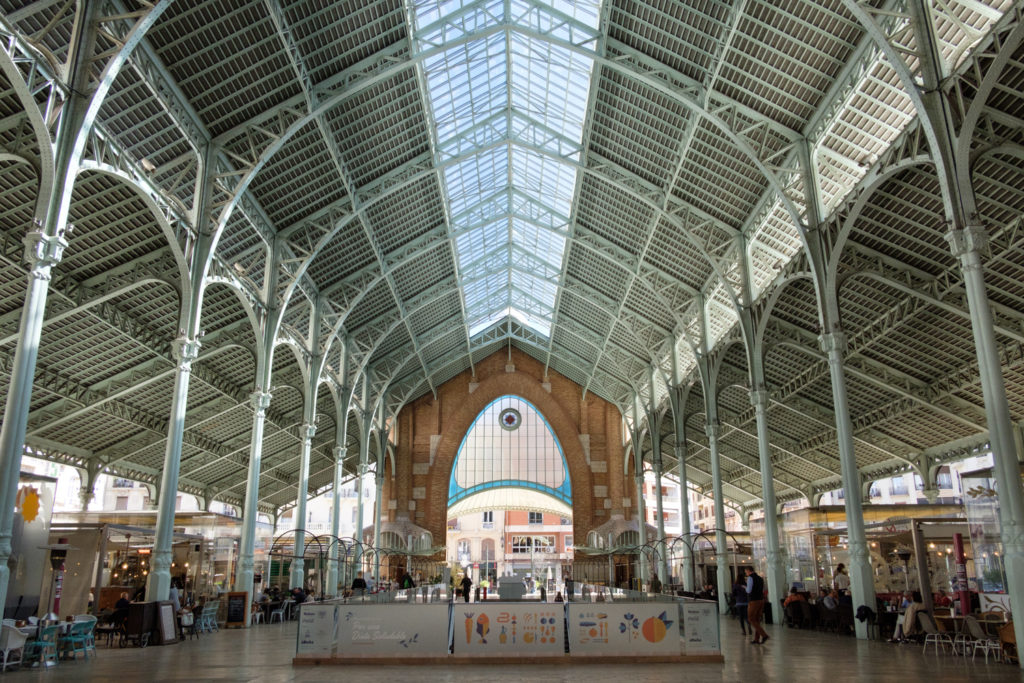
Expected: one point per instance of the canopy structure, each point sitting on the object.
(510, 498)
(643, 195)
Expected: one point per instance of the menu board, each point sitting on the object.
(167, 623)
(623, 628)
(318, 630)
(700, 628)
(236, 609)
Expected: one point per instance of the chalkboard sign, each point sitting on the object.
(166, 622)
(236, 609)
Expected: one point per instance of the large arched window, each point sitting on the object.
(510, 444)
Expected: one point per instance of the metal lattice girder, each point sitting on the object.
(695, 127)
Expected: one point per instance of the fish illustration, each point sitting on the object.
(469, 626)
(483, 627)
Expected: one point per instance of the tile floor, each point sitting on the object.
(264, 654)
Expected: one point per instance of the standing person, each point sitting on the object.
(569, 587)
(359, 583)
(739, 595)
(842, 580)
(755, 605)
(466, 584)
(174, 596)
(655, 583)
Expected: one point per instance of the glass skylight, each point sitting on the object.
(508, 108)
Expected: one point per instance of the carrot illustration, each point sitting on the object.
(469, 626)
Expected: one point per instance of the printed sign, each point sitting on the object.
(318, 630)
(995, 602)
(623, 628)
(700, 628)
(532, 629)
(392, 630)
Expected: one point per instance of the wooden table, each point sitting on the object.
(958, 623)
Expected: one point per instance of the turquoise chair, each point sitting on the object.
(43, 648)
(77, 639)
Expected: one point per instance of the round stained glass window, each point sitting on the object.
(510, 419)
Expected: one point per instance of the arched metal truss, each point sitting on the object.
(309, 182)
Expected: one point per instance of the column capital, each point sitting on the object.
(971, 238)
(340, 452)
(307, 431)
(833, 342)
(85, 496)
(713, 430)
(260, 400)
(363, 469)
(43, 252)
(185, 351)
(759, 398)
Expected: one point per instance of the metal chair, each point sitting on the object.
(208, 618)
(277, 612)
(932, 633)
(76, 640)
(981, 640)
(43, 648)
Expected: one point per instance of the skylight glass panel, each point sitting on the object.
(508, 108)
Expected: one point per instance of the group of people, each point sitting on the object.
(749, 595)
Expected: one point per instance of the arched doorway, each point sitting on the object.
(510, 497)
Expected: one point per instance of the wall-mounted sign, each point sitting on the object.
(486, 630)
(700, 628)
(392, 630)
(318, 631)
(623, 628)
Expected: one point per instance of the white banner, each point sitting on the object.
(623, 628)
(700, 628)
(318, 631)
(392, 630)
(527, 629)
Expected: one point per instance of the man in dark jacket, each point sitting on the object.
(755, 606)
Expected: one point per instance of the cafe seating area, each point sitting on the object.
(45, 643)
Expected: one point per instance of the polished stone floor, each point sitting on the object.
(264, 654)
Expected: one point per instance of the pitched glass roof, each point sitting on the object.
(507, 108)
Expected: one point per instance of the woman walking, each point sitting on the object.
(739, 595)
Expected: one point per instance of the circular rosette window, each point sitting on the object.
(510, 419)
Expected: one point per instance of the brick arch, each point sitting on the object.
(559, 419)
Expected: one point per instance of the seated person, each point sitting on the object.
(908, 626)
(122, 602)
(831, 601)
(794, 596)
(359, 583)
(942, 600)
